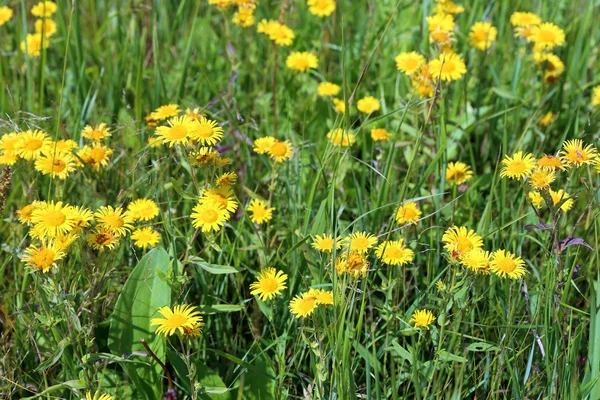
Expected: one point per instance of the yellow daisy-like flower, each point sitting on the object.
(448, 7)
(96, 156)
(447, 67)
(61, 146)
(10, 143)
(244, 16)
(269, 284)
(6, 13)
(550, 163)
(359, 242)
(34, 44)
(102, 239)
(97, 396)
(142, 210)
(541, 179)
(380, 135)
(422, 319)
(368, 105)
(177, 320)
(226, 179)
(519, 166)
(57, 165)
(459, 240)
(98, 132)
(325, 243)
(45, 26)
(441, 286)
(536, 199)
(424, 88)
(476, 260)
(204, 156)
(194, 113)
(263, 145)
(64, 242)
(207, 132)
(279, 33)
(259, 211)
(301, 61)
(322, 297)
(326, 89)
(394, 252)
(408, 213)
(440, 28)
(164, 112)
(560, 196)
(341, 137)
(42, 257)
(281, 151)
(355, 264)
(595, 96)
(507, 265)
(209, 216)
(145, 237)
(547, 119)
(8, 159)
(576, 153)
(83, 216)
(551, 63)
(178, 131)
(53, 219)
(44, 9)
(24, 214)
(524, 19)
(303, 305)
(339, 105)
(410, 63)
(458, 173)
(223, 196)
(114, 220)
(546, 36)
(482, 35)
(32, 144)
(321, 8)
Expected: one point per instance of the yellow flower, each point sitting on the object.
(448, 7)
(61, 146)
(380, 135)
(178, 131)
(194, 113)
(269, 284)
(325, 243)
(98, 132)
(142, 210)
(476, 260)
(524, 19)
(208, 215)
(244, 16)
(541, 179)
(62, 243)
(447, 67)
(441, 286)
(340, 137)
(302, 61)
(409, 62)
(328, 89)
(114, 220)
(83, 216)
(596, 96)
(459, 240)
(422, 319)
(44, 9)
(281, 151)
(97, 396)
(32, 144)
(8, 159)
(368, 105)
(394, 252)
(223, 196)
(226, 179)
(440, 28)
(102, 239)
(260, 211)
(458, 173)
(576, 153)
(423, 88)
(339, 105)
(560, 196)
(547, 119)
(264, 144)
(24, 214)
(6, 13)
(96, 156)
(507, 265)
(279, 33)
(164, 112)
(359, 242)
(145, 237)
(354, 263)
(177, 320)
(45, 26)
(518, 166)
(408, 213)
(34, 44)
(550, 163)
(53, 219)
(321, 8)
(206, 131)
(536, 199)
(303, 305)
(552, 64)
(546, 36)
(322, 297)
(57, 165)
(10, 143)
(42, 257)
(482, 35)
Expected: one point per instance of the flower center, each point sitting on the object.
(176, 320)
(359, 243)
(448, 67)
(177, 132)
(58, 166)
(210, 216)
(55, 218)
(394, 252)
(547, 36)
(269, 284)
(463, 244)
(518, 166)
(505, 265)
(44, 258)
(114, 221)
(204, 131)
(33, 145)
(279, 149)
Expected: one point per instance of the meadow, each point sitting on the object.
(299, 199)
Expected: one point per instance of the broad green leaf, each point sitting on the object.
(143, 294)
(401, 351)
(213, 268)
(212, 384)
(482, 346)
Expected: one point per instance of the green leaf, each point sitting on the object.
(212, 384)
(213, 268)
(401, 351)
(145, 291)
(482, 346)
(446, 356)
(215, 308)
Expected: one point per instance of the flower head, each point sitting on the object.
(368, 105)
(226, 179)
(507, 265)
(57, 165)
(409, 63)
(269, 284)
(259, 211)
(321, 8)
(550, 163)
(536, 199)
(459, 240)
(458, 173)
(339, 105)
(303, 305)
(178, 319)
(32, 143)
(482, 35)
(145, 237)
(519, 166)
(353, 263)
(209, 215)
(53, 219)
(178, 131)
(322, 297)
(102, 239)
(476, 260)
(142, 209)
(408, 213)
(328, 89)
(281, 151)
(541, 179)
(325, 243)
(164, 112)
(359, 242)
(394, 252)
(524, 19)
(207, 132)
(44, 9)
(576, 153)
(45, 27)
(6, 13)
(34, 43)
(301, 61)
(380, 135)
(341, 137)
(114, 220)
(223, 196)
(563, 198)
(98, 132)
(263, 145)
(42, 257)
(422, 319)
(546, 36)
(447, 67)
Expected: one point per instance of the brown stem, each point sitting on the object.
(163, 366)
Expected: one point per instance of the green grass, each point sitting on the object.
(62, 333)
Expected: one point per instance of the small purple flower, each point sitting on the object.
(170, 395)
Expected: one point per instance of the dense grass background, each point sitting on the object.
(114, 62)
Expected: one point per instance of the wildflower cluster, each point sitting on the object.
(45, 28)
